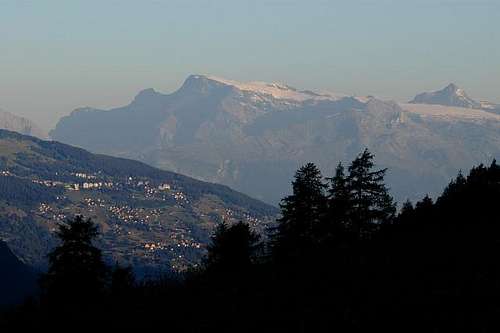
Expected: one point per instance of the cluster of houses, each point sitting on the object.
(179, 196)
(48, 183)
(88, 186)
(128, 214)
(160, 246)
(153, 246)
(164, 187)
(84, 175)
(48, 212)
(96, 185)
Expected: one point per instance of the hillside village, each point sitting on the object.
(144, 222)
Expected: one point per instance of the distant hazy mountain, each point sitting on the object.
(454, 96)
(253, 136)
(16, 279)
(449, 96)
(21, 125)
(149, 218)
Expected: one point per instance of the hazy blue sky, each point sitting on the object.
(59, 55)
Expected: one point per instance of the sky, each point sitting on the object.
(56, 56)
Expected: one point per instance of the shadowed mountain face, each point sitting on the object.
(16, 279)
(253, 136)
(11, 122)
(148, 218)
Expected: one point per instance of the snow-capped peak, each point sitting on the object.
(276, 90)
(452, 95)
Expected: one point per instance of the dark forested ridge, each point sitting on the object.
(146, 216)
(340, 258)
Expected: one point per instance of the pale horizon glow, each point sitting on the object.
(60, 55)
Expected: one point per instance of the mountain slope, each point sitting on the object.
(16, 279)
(148, 217)
(22, 125)
(253, 136)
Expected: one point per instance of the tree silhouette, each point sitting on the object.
(233, 248)
(77, 273)
(122, 281)
(302, 215)
(407, 208)
(339, 206)
(371, 203)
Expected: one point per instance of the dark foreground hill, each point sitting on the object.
(16, 279)
(147, 217)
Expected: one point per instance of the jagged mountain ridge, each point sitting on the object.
(253, 136)
(149, 218)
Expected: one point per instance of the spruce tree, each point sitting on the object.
(77, 272)
(302, 213)
(339, 205)
(371, 203)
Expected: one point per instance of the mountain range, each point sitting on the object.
(148, 218)
(253, 136)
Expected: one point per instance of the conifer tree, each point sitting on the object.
(371, 203)
(77, 273)
(233, 248)
(407, 208)
(425, 204)
(302, 213)
(339, 201)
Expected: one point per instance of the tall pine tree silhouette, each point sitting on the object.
(302, 214)
(339, 206)
(77, 274)
(371, 204)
